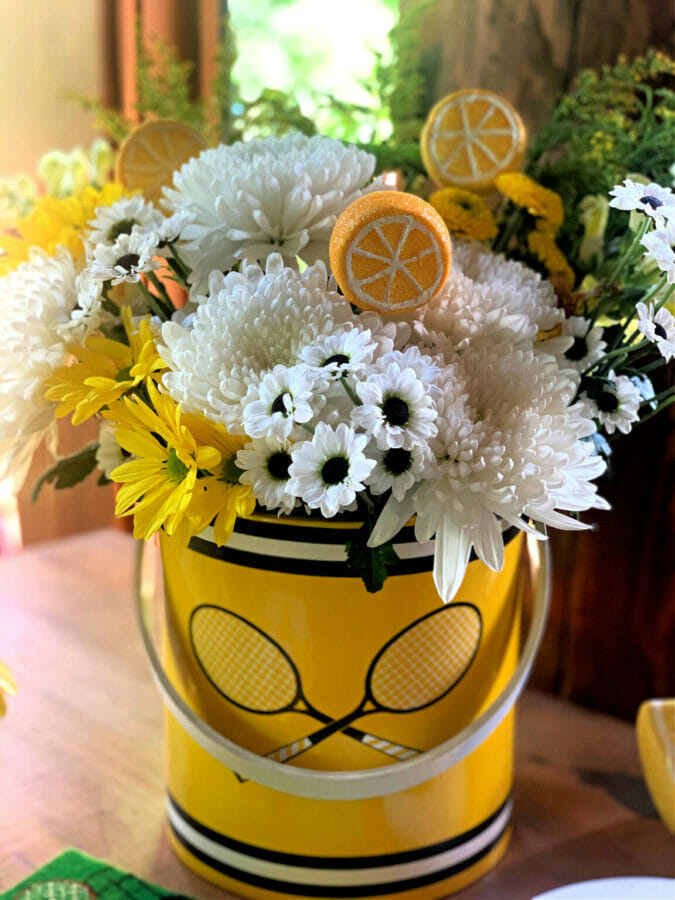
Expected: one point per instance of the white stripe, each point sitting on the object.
(265, 546)
(393, 874)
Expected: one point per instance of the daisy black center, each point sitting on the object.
(124, 226)
(338, 358)
(129, 261)
(654, 202)
(334, 470)
(660, 331)
(578, 350)
(396, 411)
(397, 460)
(607, 401)
(277, 465)
(279, 405)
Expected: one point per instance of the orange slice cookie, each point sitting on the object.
(153, 152)
(390, 251)
(470, 137)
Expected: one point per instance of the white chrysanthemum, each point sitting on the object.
(249, 323)
(658, 327)
(284, 398)
(109, 454)
(395, 409)
(487, 295)
(126, 259)
(328, 471)
(88, 313)
(616, 406)
(660, 245)
(122, 217)
(651, 199)
(397, 469)
(508, 447)
(347, 351)
(36, 301)
(586, 346)
(275, 195)
(265, 464)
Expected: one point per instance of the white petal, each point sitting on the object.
(453, 548)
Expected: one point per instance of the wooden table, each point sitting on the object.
(81, 748)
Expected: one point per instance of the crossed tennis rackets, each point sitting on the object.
(414, 669)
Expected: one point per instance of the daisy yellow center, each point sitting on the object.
(177, 470)
(396, 411)
(334, 470)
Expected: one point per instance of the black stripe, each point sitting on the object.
(336, 862)
(286, 530)
(319, 890)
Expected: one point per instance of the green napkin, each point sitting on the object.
(76, 876)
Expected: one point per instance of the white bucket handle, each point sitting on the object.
(362, 783)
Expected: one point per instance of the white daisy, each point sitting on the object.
(126, 259)
(651, 199)
(265, 464)
(616, 405)
(248, 323)
(660, 245)
(424, 366)
(283, 399)
(36, 301)
(328, 471)
(658, 327)
(88, 314)
(587, 346)
(397, 469)
(347, 351)
(122, 217)
(171, 227)
(396, 408)
(275, 195)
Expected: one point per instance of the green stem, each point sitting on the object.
(509, 230)
(350, 392)
(153, 302)
(656, 411)
(162, 290)
(621, 265)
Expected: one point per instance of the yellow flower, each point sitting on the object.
(104, 370)
(7, 686)
(218, 495)
(541, 243)
(157, 485)
(55, 221)
(537, 200)
(466, 214)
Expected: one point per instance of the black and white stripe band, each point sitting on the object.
(307, 550)
(338, 876)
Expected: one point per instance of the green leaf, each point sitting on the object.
(68, 471)
(370, 563)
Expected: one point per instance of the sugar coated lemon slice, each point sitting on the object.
(656, 743)
(390, 251)
(470, 137)
(153, 152)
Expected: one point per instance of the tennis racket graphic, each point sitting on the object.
(252, 671)
(416, 668)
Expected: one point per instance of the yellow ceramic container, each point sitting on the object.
(371, 734)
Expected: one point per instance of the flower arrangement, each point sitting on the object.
(485, 403)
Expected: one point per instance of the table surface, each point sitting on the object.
(81, 748)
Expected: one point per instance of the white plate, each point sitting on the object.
(614, 889)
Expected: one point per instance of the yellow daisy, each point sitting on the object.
(219, 495)
(466, 214)
(55, 221)
(157, 485)
(104, 370)
(7, 686)
(541, 243)
(537, 200)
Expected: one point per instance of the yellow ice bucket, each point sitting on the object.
(328, 742)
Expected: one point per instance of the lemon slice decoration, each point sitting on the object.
(470, 137)
(390, 251)
(153, 152)
(656, 743)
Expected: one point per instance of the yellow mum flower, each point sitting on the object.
(104, 370)
(541, 243)
(466, 214)
(537, 200)
(158, 484)
(53, 222)
(7, 686)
